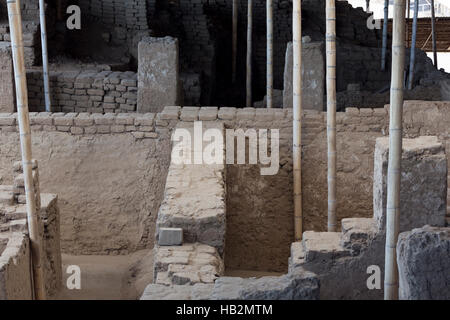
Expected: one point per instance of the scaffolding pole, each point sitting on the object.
(249, 53)
(385, 35)
(433, 31)
(44, 55)
(395, 152)
(234, 40)
(331, 110)
(412, 56)
(269, 71)
(15, 25)
(297, 116)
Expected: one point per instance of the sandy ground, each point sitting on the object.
(120, 277)
(109, 277)
(250, 273)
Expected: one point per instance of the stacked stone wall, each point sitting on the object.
(84, 91)
(31, 40)
(357, 132)
(131, 14)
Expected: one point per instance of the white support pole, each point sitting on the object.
(331, 111)
(408, 12)
(234, 40)
(269, 80)
(15, 24)
(433, 30)
(249, 53)
(44, 55)
(385, 35)
(297, 117)
(395, 152)
(412, 56)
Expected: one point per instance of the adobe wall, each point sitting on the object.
(31, 40)
(7, 92)
(15, 281)
(84, 91)
(109, 172)
(131, 14)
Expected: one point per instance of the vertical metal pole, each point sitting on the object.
(331, 110)
(15, 24)
(408, 11)
(234, 40)
(44, 55)
(367, 5)
(269, 71)
(395, 152)
(412, 56)
(249, 53)
(433, 30)
(385, 35)
(297, 116)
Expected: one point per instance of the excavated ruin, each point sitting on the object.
(114, 199)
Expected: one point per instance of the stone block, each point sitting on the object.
(170, 237)
(299, 286)
(158, 74)
(313, 76)
(423, 193)
(424, 264)
(186, 264)
(198, 291)
(7, 92)
(194, 198)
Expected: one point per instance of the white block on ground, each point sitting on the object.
(170, 237)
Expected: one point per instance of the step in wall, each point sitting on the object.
(344, 261)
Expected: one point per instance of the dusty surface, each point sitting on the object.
(259, 219)
(194, 197)
(423, 257)
(84, 165)
(109, 186)
(109, 277)
(249, 273)
(187, 264)
(15, 281)
(302, 285)
(7, 101)
(158, 74)
(423, 194)
(313, 76)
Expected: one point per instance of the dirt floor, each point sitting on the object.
(250, 273)
(121, 277)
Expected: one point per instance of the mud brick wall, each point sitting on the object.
(50, 217)
(15, 280)
(131, 13)
(85, 91)
(7, 92)
(30, 10)
(87, 148)
(117, 165)
(31, 41)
